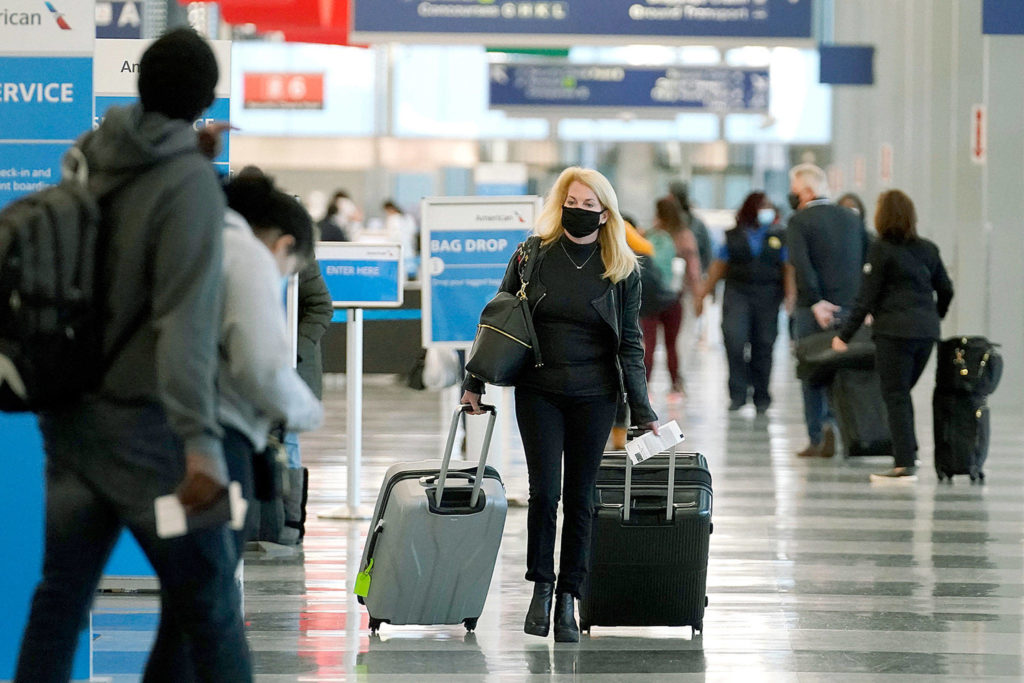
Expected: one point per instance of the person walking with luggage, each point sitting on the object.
(827, 247)
(907, 290)
(585, 297)
(150, 429)
(752, 262)
(670, 237)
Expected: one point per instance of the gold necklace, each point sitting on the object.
(579, 267)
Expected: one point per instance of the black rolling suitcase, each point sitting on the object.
(855, 397)
(961, 428)
(967, 370)
(649, 558)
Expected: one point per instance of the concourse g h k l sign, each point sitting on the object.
(582, 22)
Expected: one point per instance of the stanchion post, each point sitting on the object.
(354, 395)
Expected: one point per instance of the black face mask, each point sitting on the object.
(794, 200)
(580, 222)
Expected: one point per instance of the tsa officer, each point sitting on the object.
(751, 261)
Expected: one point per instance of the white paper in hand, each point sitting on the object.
(649, 444)
(170, 517)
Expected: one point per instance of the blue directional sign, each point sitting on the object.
(585, 21)
(466, 245)
(362, 275)
(220, 110)
(717, 89)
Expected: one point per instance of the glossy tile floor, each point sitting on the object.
(815, 574)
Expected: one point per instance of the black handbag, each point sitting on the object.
(506, 342)
(968, 365)
(817, 362)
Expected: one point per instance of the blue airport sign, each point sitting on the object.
(45, 98)
(361, 275)
(584, 21)
(220, 111)
(562, 86)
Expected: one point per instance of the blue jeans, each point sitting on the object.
(104, 469)
(816, 410)
(291, 447)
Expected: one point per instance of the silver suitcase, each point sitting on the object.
(434, 539)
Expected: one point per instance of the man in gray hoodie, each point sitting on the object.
(151, 428)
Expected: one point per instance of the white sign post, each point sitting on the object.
(358, 275)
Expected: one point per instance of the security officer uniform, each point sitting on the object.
(750, 309)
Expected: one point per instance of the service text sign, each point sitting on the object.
(467, 243)
(45, 89)
(360, 275)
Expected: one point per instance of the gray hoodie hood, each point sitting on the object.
(130, 141)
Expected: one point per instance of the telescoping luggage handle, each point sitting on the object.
(483, 452)
(671, 486)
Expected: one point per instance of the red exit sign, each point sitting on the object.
(284, 91)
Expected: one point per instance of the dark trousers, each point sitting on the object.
(173, 657)
(102, 475)
(671, 319)
(750, 317)
(900, 363)
(578, 427)
(816, 409)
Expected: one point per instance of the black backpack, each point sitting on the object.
(50, 331)
(968, 365)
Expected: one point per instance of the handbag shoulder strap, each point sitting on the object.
(527, 261)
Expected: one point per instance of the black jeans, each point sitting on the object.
(900, 363)
(551, 425)
(750, 317)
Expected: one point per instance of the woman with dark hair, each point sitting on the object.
(670, 238)
(906, 288)
(751, 261)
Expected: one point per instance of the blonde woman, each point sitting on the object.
(585, 298)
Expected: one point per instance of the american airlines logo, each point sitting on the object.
(9, 17)
(61, 21)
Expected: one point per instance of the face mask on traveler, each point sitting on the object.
(766, 216)
(580, 222)
(794, 200)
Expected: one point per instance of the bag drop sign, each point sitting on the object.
(466, 245)
(469, 245)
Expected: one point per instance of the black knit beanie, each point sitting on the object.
(177, 75)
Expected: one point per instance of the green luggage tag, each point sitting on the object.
(363, 581)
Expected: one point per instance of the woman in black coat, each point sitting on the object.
(906, 288)
(585, 298)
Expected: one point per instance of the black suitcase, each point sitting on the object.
(649, 559)
(961, 427)
(855, 397)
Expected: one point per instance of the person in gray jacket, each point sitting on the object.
(151, 428)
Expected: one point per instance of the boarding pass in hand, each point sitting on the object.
(650, 444)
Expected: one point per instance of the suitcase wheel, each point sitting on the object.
(584, 627)
(470, 624)
(375, 625)
(697, 630)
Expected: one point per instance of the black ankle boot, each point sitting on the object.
(566, 630)
(538, 617)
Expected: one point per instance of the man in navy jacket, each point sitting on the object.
(827, 249)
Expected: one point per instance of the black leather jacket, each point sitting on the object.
(619, 306)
